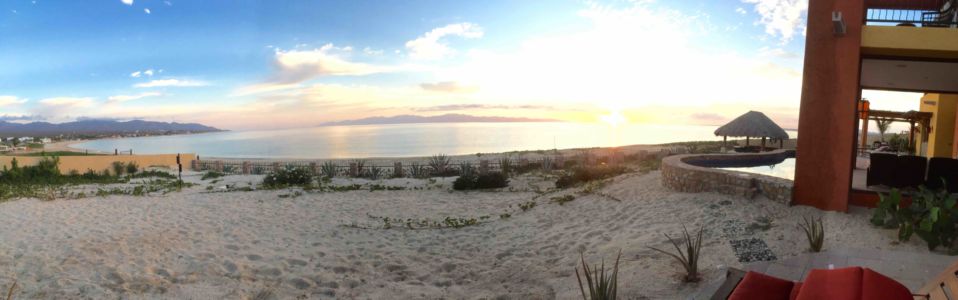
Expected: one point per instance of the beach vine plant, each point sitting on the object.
(328, 170)
(931, 215)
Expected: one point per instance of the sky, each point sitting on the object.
(246, 65)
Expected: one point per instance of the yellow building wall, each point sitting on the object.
(99, 163)
(928, 42)
(942, 136)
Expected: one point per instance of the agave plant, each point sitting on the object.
(417, 170)
(439, 163)
(465, 169)
(815, 231)
(505, 164)
(328, 169)
(360, 165)
(690, 257)
(374, 172)
(602, 285)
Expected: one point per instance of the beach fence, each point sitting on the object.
(99, 163)
(408, 168)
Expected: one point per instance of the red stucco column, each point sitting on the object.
(828, 121)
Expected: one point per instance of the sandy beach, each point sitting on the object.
(208, 242)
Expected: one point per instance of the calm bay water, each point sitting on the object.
(401, 140)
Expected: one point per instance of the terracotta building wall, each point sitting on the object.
(827, 120)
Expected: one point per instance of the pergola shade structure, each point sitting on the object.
(752, 124)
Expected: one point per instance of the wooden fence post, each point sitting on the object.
(397, 169)
(218, 166)
(353, 169)
(314, 168)
(195, 165)
(247, 168)
(484, 166)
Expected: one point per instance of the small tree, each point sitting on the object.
(882, 127)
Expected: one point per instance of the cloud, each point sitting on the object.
(8, 118)
(430, 45)
(11, 101)
(708, 118)
(782, 18)
(127, 2)
(448, 87)
(372, 52)
(146, 10)
(147, 72)
(60, 107)
(124, 98)
(741, 11)
(297, 66)
(776, 53)
(170, 83)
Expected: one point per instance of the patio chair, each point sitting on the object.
(943, 287)
(881, 169)
(942, 170)
(844, 283)
(909, 171)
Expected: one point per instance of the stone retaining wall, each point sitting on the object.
(679, 174)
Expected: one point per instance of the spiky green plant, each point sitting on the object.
(375, 172)
(505, 164)
(328, 169)
(417, 171)
(465, 169)
(118, 168)
(439, 163)
(815, 231)
(360, 165)
(690, 257)
(602, 285)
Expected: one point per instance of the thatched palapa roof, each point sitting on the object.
(752, 124)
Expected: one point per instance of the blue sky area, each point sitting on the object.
(276, 64)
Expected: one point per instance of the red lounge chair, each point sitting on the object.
(846, 283)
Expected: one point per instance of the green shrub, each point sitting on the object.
(418, 171)
(360, 166)
(601, 285)
(132, 168)
(212, 175)
(690, 257)
(288, 176)
(582, 175)
(932, 215)
(373, 172)
(118, 168)
(154, 173)
(815, 232)
(491, 180)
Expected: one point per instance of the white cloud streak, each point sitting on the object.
(171, 83)
(431, 46)
(124, 98)
(781, 18)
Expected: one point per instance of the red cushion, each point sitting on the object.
(879, 287)
(845, 283)
(761, 286)
(795, 289)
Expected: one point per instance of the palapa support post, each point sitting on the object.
(763, 145)
(397, 169)
(781, 143)
(746, 141)
(724, 143)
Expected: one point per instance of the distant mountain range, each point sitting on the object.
(99, 127)
(446, 118)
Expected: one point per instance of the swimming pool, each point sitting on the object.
(784, 169)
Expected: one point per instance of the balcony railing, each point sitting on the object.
(924, 13)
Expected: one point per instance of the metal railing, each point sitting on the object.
(928, 13)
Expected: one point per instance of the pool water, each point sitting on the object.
(784, 169)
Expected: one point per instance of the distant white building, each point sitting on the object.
(4, 148)
(46, 140)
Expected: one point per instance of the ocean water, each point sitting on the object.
(403, 140)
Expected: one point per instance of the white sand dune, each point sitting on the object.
(202, 245)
